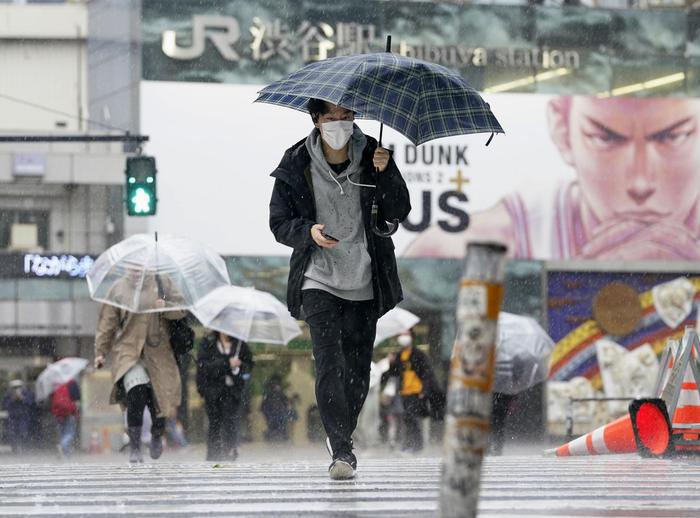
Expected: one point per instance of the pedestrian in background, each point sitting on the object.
(418, 388)
(144, 370)
(176, 433)
(277, 410)
(341, 272)
(20, 404)
(501, 403)
(224, 365)
(65, 407)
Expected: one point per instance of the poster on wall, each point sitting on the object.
(610, 327)
(573, 178)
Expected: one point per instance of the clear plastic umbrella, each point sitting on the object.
(247, 314)
(136, 272)
(522, 353)
(394, 322)
(56, 374)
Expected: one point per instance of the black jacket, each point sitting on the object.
(213, 366)
(421, 365)
(293, 213)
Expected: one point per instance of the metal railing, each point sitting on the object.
(575, 400)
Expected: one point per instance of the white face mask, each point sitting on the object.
(404, 340)
(337, 133)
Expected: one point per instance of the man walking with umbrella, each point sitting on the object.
(342, 270)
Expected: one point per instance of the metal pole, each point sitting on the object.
(74, 138)
(468, 416)
(570, 421)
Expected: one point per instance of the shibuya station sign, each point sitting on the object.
(266, 40)
(259, 41)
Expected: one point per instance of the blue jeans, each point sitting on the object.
(67, 427)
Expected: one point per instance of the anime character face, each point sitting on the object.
(636, 159)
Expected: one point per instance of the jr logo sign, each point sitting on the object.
(223, 31)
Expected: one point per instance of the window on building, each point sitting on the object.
(24, 229)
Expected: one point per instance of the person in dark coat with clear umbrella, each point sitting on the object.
(224, 365)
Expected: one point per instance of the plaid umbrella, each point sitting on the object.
(421, 100)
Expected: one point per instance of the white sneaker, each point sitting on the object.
(341, 470)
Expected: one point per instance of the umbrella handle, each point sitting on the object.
(392, 226)
(381, 124)
(237, 370)
(159, 283)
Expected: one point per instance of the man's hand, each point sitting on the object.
(381, 159)
(160, 303)
(99, 361)
(318, 238)
(625, 240)
(234, 362)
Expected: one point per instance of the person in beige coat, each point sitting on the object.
(144, 371)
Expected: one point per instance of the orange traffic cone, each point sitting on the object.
(688, 406)
(686, 418)
(645, 429)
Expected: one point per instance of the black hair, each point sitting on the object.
(317, 107)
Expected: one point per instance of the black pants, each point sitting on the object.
(413, 412)
(342, 334)
(137, 399)
(223, 413)
(501, 404)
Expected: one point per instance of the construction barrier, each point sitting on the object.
(680, 392)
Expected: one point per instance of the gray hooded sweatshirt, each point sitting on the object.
(345, 270)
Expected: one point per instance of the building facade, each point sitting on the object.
(68, 70)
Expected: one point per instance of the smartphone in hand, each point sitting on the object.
(328, 236)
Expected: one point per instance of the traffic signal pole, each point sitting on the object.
(140, 171)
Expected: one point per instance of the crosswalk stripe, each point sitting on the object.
(528, 486)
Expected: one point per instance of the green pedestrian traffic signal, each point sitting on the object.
(141, 199)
